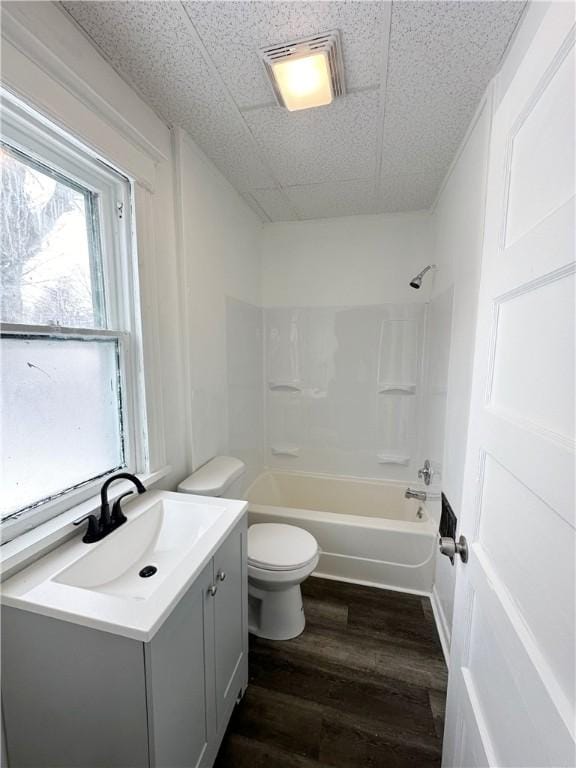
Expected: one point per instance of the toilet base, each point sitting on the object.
(275, 614)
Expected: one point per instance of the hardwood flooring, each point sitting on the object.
(362, 687)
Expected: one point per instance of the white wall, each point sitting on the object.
(350, 261)
(221, 267)
(458, 232)
(244, 357)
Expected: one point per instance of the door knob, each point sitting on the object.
(426, 473)
(221, 575)
(212, 590)
(451, 548)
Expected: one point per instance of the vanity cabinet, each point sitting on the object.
(75, 696)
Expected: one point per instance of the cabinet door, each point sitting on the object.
(180, 681)
(72, 696)
(231, 634)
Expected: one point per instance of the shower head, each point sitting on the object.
(416, 282)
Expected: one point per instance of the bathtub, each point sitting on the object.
(367, 531)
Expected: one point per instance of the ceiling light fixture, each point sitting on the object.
(306, 73)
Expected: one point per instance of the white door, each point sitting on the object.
(512, 669)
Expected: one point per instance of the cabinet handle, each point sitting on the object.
(221, 575)
(212, 590)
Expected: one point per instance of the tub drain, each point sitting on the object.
(148, 570)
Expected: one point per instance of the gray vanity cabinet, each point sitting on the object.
(80, 697)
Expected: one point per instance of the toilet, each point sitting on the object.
(280, 557)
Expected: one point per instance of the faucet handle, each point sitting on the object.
(118, 517)
(93, 531)
(426, 472)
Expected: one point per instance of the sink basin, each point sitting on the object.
(162, 536)
(170, 536)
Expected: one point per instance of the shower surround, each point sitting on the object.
(330, 390)
(343, 389)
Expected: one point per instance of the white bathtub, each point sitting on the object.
(367, 531)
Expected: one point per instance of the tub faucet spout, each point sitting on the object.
(411, 494)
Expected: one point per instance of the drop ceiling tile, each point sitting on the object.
(230, 147)
(233, 32)
(414, 146)
(409, 192)
(345, 198)
(441, 42)
(441, 58)
(275, 204)
(333, 143)
(151, 44)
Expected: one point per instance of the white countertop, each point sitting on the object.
(138, 611)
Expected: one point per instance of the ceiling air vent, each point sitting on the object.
(306, 73)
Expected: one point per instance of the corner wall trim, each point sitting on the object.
(441, 625)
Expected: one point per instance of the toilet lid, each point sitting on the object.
(278, 547)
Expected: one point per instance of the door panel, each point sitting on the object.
(518, 670)
(543, 595)
(487, 662)
(511, 693)
(230, 642)
(533, 380)
(475, 746)
(497, 683)
(518, 447)
(542, 155)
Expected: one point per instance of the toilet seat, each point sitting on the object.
(280, 547)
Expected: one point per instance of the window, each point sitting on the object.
(71, 405)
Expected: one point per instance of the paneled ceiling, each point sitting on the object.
(415, 72)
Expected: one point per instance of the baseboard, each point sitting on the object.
(441, 624)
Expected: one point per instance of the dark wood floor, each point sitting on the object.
(362, 687)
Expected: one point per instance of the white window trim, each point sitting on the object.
(41, 140)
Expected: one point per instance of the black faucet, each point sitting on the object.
(100, 527)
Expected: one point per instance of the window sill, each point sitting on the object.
(30, 546)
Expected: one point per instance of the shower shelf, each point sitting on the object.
(393, 458)
(285, 450)
(284, 386)
(396, 388)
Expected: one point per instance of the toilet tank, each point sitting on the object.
(214, 477)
